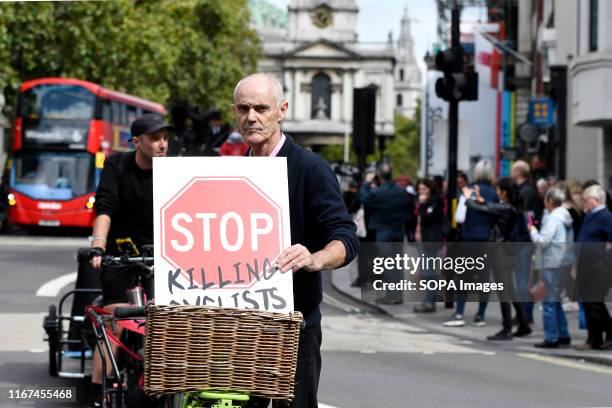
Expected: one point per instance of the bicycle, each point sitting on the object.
(127, 375)
(125, 378)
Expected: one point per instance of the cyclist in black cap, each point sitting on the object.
(124, 208)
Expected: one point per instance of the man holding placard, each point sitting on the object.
(323, 235)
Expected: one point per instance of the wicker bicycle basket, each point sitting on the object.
(192, 348)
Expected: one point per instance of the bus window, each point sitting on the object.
(55, 114)
(132, 114)
(107, 112)
(54, 175)
(119, 113)
(64, 102)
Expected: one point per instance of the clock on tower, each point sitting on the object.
(322, 16)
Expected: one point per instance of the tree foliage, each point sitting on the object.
(404, 150)
(191, 50)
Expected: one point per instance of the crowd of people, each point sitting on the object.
(552, 241)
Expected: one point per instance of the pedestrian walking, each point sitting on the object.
(554, 258)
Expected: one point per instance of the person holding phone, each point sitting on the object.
(505, 215)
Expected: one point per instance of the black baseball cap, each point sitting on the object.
(149, 123)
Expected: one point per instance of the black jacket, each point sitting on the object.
(531, 203)
(391, 205)
(504, 217)
(431, 215)
(478, 225)
(125, 194)
(318, 216)
(594, 267)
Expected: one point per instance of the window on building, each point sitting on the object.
(399, 100)
(593, 25)
(401, 74)
(321, 97)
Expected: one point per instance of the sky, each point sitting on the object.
(378, 17)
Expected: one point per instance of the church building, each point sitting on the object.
(314, 51)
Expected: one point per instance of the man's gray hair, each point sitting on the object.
(484, 172)
(541, 182)
(555, 195)
(279, 95)
(597, 192)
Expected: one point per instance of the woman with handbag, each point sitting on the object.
(554, 258)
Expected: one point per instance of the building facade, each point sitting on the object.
(559, 52)
(590, 87)
(574, 44)
(317, 57)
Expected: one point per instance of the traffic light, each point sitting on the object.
(458, 84)
(364, 118)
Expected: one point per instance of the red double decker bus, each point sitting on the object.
(64, 128)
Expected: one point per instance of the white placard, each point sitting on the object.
(220, 223)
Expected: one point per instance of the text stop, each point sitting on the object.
(229, 228)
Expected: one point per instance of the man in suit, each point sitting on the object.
(390, 206)
(594, 268)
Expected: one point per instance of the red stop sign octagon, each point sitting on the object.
(225, 226)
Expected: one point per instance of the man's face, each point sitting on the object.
(542, 188)
(152, 145)
(514, 173)
(256, 111)
(589, 202)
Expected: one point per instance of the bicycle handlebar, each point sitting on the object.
(128, 312)
(125, 260)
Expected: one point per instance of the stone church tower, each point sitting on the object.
(407, 76)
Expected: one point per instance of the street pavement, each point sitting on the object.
(371, 357)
